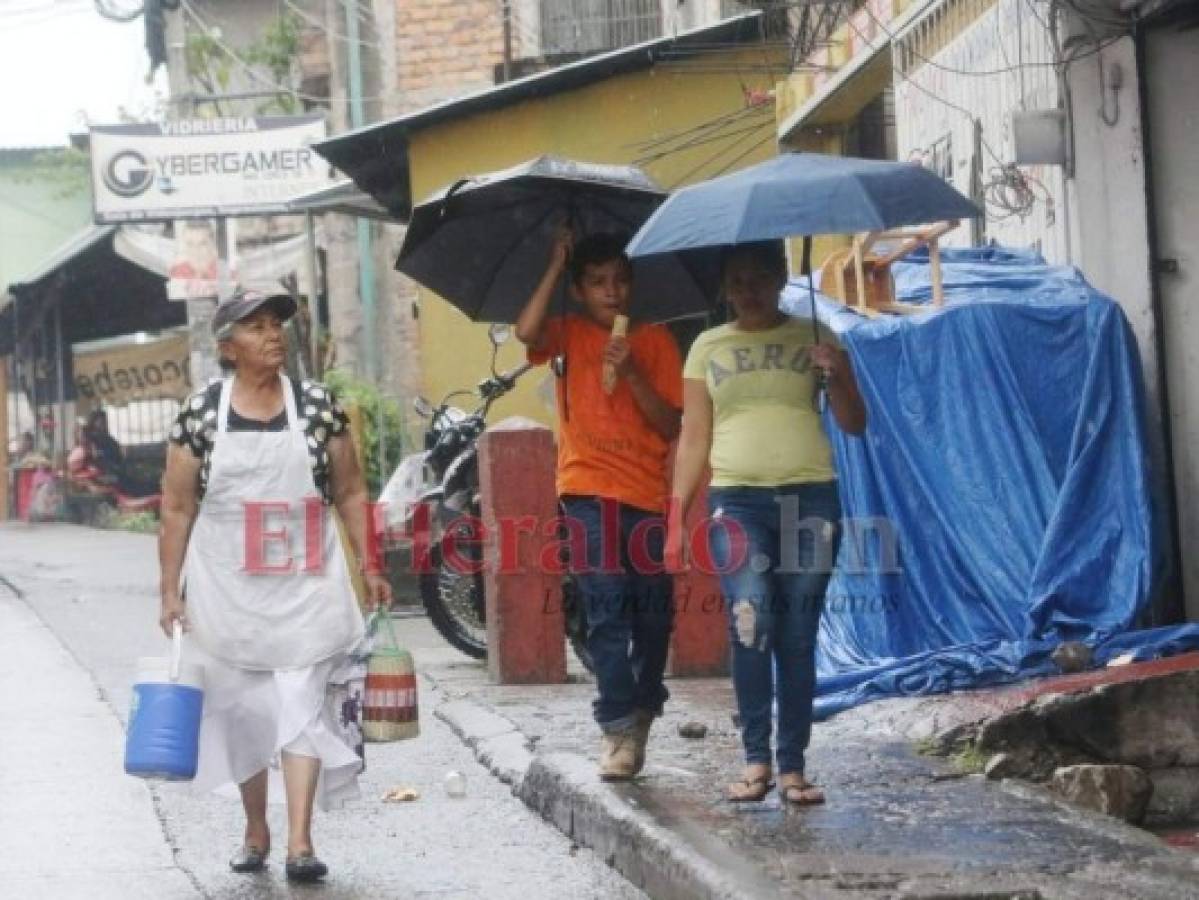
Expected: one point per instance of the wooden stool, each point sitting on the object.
(866, 277)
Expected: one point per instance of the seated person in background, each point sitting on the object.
(25, 453)
(23, 447)
(80, 468)
(103, 450)
(105, 459)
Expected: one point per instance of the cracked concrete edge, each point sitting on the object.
(1081, 817)
(1162, 872)
(496, 742)
(566, 791)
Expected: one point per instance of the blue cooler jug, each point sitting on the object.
(163, 739)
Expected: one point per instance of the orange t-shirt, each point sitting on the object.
(606, 446)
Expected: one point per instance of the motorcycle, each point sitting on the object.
(444, 480)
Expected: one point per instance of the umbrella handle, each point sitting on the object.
(454, 188)
(821, 375)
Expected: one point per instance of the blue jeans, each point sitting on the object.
(629, 612)
(773, 584)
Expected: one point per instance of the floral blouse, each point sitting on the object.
(321, 418)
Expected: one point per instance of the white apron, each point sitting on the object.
(266, 621)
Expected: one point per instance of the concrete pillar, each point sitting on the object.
(525, 624)
(700, 642)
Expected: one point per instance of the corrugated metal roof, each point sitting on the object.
(101, 293)
(78, 243)
(344, 197)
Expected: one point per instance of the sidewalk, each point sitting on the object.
(897, 824)
(72, 824)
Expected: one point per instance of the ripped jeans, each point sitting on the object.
(776, 547)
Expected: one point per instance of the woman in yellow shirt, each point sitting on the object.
(751, 410)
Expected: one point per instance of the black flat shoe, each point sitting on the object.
(305, 868)
(249, 859)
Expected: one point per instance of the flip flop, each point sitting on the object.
(802, 793)
(759, 788)
(249, 859)
(305, 868)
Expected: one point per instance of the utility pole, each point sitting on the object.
(366, 263)
(507, 14)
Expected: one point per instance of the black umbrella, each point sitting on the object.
(483, 243)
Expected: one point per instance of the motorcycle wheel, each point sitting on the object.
(454, 603)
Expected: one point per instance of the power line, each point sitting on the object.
(968, 72)
(52, 6)
(700, 142)
(329, 32)
(255, 75)
(14, 19)
(714, 122)
(124, 15)
(758, 146)
(717, 156)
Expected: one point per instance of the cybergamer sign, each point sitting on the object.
(202, 168)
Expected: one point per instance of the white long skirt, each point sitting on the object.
(251, 717)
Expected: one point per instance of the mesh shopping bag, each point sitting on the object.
(390, 711)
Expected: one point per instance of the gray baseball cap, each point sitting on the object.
(247, 300)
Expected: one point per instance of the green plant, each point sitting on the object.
(67, 168)
(211, 65)
(379, 413)
(137, 522)
(970, 760)
(276, 51)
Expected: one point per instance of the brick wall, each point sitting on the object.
(446, 48)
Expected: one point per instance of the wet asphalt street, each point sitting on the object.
(95, 833)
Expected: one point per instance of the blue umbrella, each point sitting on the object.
(791, 195)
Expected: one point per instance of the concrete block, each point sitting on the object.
(1120, 791)
(525, 622)
(700, 642)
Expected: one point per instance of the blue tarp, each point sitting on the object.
(1001, 500)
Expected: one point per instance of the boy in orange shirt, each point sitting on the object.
(612, 481)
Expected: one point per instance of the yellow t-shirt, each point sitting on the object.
(766, 426)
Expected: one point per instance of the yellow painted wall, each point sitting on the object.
(607, 122)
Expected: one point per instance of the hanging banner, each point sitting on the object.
(197, 269)
(204, 168)
(118, 375)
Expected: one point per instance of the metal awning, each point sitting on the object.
(101, 293)
(343, 197)
(845, 94)
(77, 244)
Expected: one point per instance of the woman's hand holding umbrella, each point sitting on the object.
(845, 400)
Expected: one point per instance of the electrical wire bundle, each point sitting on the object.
(1013, 193)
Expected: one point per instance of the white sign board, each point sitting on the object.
(201, 168)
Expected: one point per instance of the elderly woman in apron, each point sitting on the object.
(253, 569)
